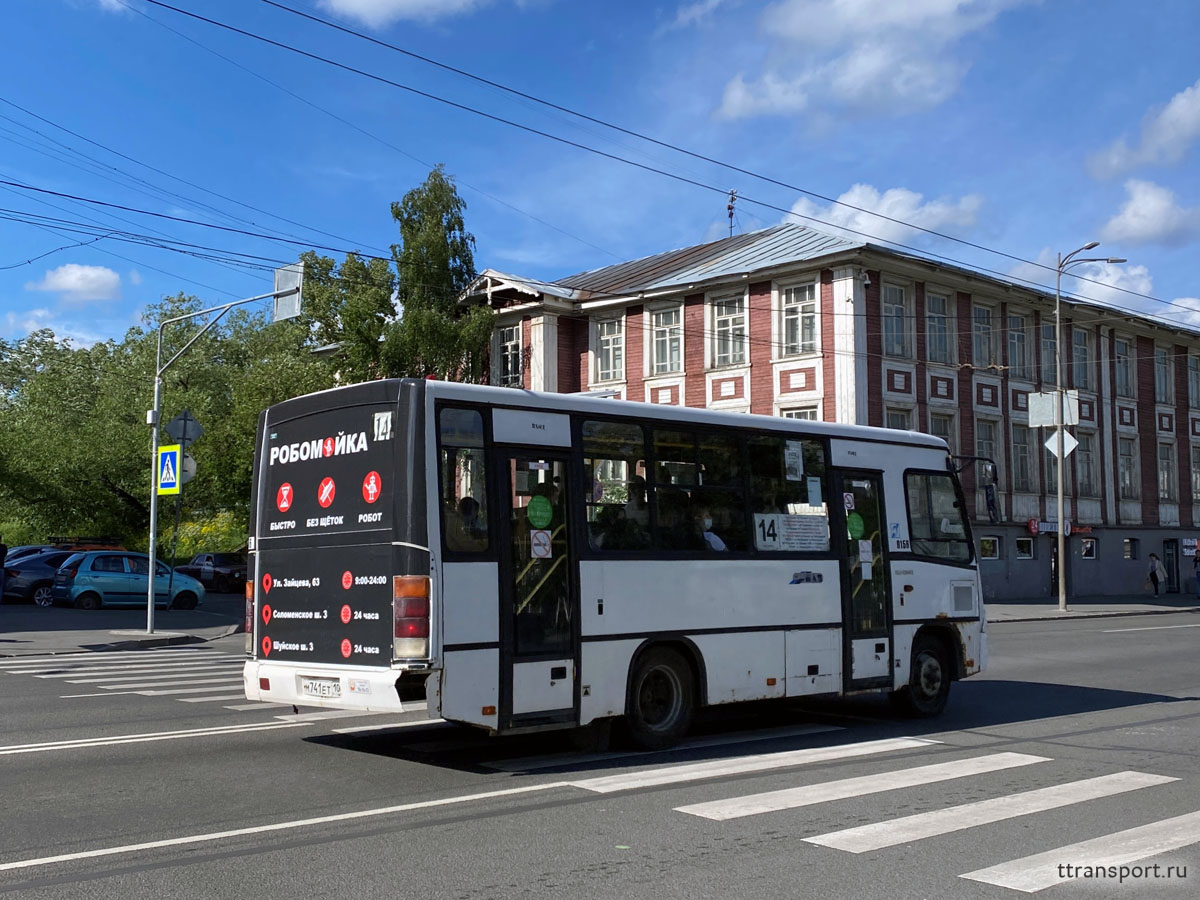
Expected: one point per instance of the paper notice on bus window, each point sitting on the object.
(800, 533)
(814, 491)
(793, 460)
(766, 531)
(866, 571)
(865, 553)
(521, 481)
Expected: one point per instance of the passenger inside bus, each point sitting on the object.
(466, 526)
(704, 523)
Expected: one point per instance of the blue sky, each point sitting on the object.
(1023, 126)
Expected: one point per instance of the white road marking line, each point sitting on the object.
(742, 764)
(548, 761)
(970, 815)
(94, 657)
(211, 699)
(261, 704)
(200, 690)
(79, 696)
(824, 792)
(1149, 628)
(334, 714)
(431, 724)
(199, 670)
(216, 679)
(275, 827)
(118, 670)
(79, 743)
(1031, 874)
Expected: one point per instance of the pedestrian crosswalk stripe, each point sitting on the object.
(117, 670)
(13, 664)
(211, 699)
(117, 679)
(824, 792)
(970, 815)
(740, 765)
(200, 690)
(228, 682)
(1031, 874)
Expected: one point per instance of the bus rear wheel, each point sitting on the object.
(928, 685)
(662, 699)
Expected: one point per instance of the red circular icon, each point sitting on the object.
(283, 497)
(266, 646)
(347, 647)
(327, 446)
(1032, 525)
(346, 614)
(372, 487)
(325, 492)
(347, 580)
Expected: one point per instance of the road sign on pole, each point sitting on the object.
(168, 469)
(1041, 409)
(185, 429)
(289, 281)
(187, 468)
(1069, 443)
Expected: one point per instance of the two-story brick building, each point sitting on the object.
(790, 321)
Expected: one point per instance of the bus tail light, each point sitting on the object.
(410, 616)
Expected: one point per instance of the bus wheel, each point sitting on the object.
(928, 679)
(661, 700)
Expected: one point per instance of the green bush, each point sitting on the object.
(223, 531)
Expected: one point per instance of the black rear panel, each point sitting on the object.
(338, 482)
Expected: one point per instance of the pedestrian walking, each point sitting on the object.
(1157, 573)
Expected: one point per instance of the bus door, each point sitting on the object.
(866, 594)
(539, 602)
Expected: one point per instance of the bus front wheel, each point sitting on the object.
(661, 699)
(928, 685)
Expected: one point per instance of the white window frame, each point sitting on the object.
(1195, 473)
(1124, 379)
(508, 355)
(897, 338)
(1047, 348)
(994, 454)
(611, 343)
(904, 411)
(1129, 485)
(988, 342)
(1164, 376)
(1087, 488)
(1025, 371)
(1023, 440)
(952, 438)
(738, 331)
(794, 299)
(1193, 364)
(657, 365)
(948, 322)
(807, 413)
(1086, 365)
(1025, 554)
(1168, 471)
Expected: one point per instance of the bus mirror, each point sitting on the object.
(989, 494)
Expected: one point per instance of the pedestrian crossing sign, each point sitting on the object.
(168, 469)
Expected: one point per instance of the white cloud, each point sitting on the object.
(20, 324)
(79, 283)
(861, 56)
(382, 13)
(135, 277)
(694, 13)
(112, 6)
(898, 203)
(1167, 134)
(1151, 215)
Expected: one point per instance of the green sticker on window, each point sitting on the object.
(854, 525)
(539, 511)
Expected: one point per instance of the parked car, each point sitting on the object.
(220, 572)
(16, 553)
(31, 577)
(106, 578)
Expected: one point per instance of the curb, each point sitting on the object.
(132, 644)
(1056, 617)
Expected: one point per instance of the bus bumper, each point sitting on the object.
(364, 689)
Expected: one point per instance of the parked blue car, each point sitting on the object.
(111, 578)
(31, 577)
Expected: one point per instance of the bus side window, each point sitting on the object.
(463, 480)
(787, 494)
(618, 512)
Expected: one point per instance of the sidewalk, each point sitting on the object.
(1090, 607)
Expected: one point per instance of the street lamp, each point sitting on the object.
(1064, 263)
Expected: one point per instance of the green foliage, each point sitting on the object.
(221, 532)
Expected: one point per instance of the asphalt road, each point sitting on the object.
(1080, 730)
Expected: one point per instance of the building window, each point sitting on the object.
(1025, 547)
(1085, 465)
(1196, 474)
(1194, 381)
(800, 319)
(1087, 548)
(1052, 471)
(989, 547)
(900, 419)
(984, 336)
(895, 322)
(1163, 392)
(943, 426)
(809, 413)
(985, 445)
(668, 340)
(937, 328)
(729, 318)
(610, 350)
(1020, 364)
(510, 356)
(1123, 355)
(1022, 459)
(1131, 548)
(1127, 470)
(1081, 360)
(1049, 358)
(1168, 484)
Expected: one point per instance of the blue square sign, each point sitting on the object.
(168, 469)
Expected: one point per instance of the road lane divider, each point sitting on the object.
(147, 737)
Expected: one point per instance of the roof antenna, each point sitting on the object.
(729, 209)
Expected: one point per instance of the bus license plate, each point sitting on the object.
(320, 687)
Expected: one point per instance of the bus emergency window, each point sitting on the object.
(618, 510)
(463, 480)
(935, 517)
(787, 495)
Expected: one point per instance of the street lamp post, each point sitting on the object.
(1064, 263)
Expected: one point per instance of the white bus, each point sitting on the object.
(540, 561)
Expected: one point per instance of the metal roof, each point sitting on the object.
(741, 254)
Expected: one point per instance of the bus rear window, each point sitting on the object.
(935, 517)
(463, 480)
